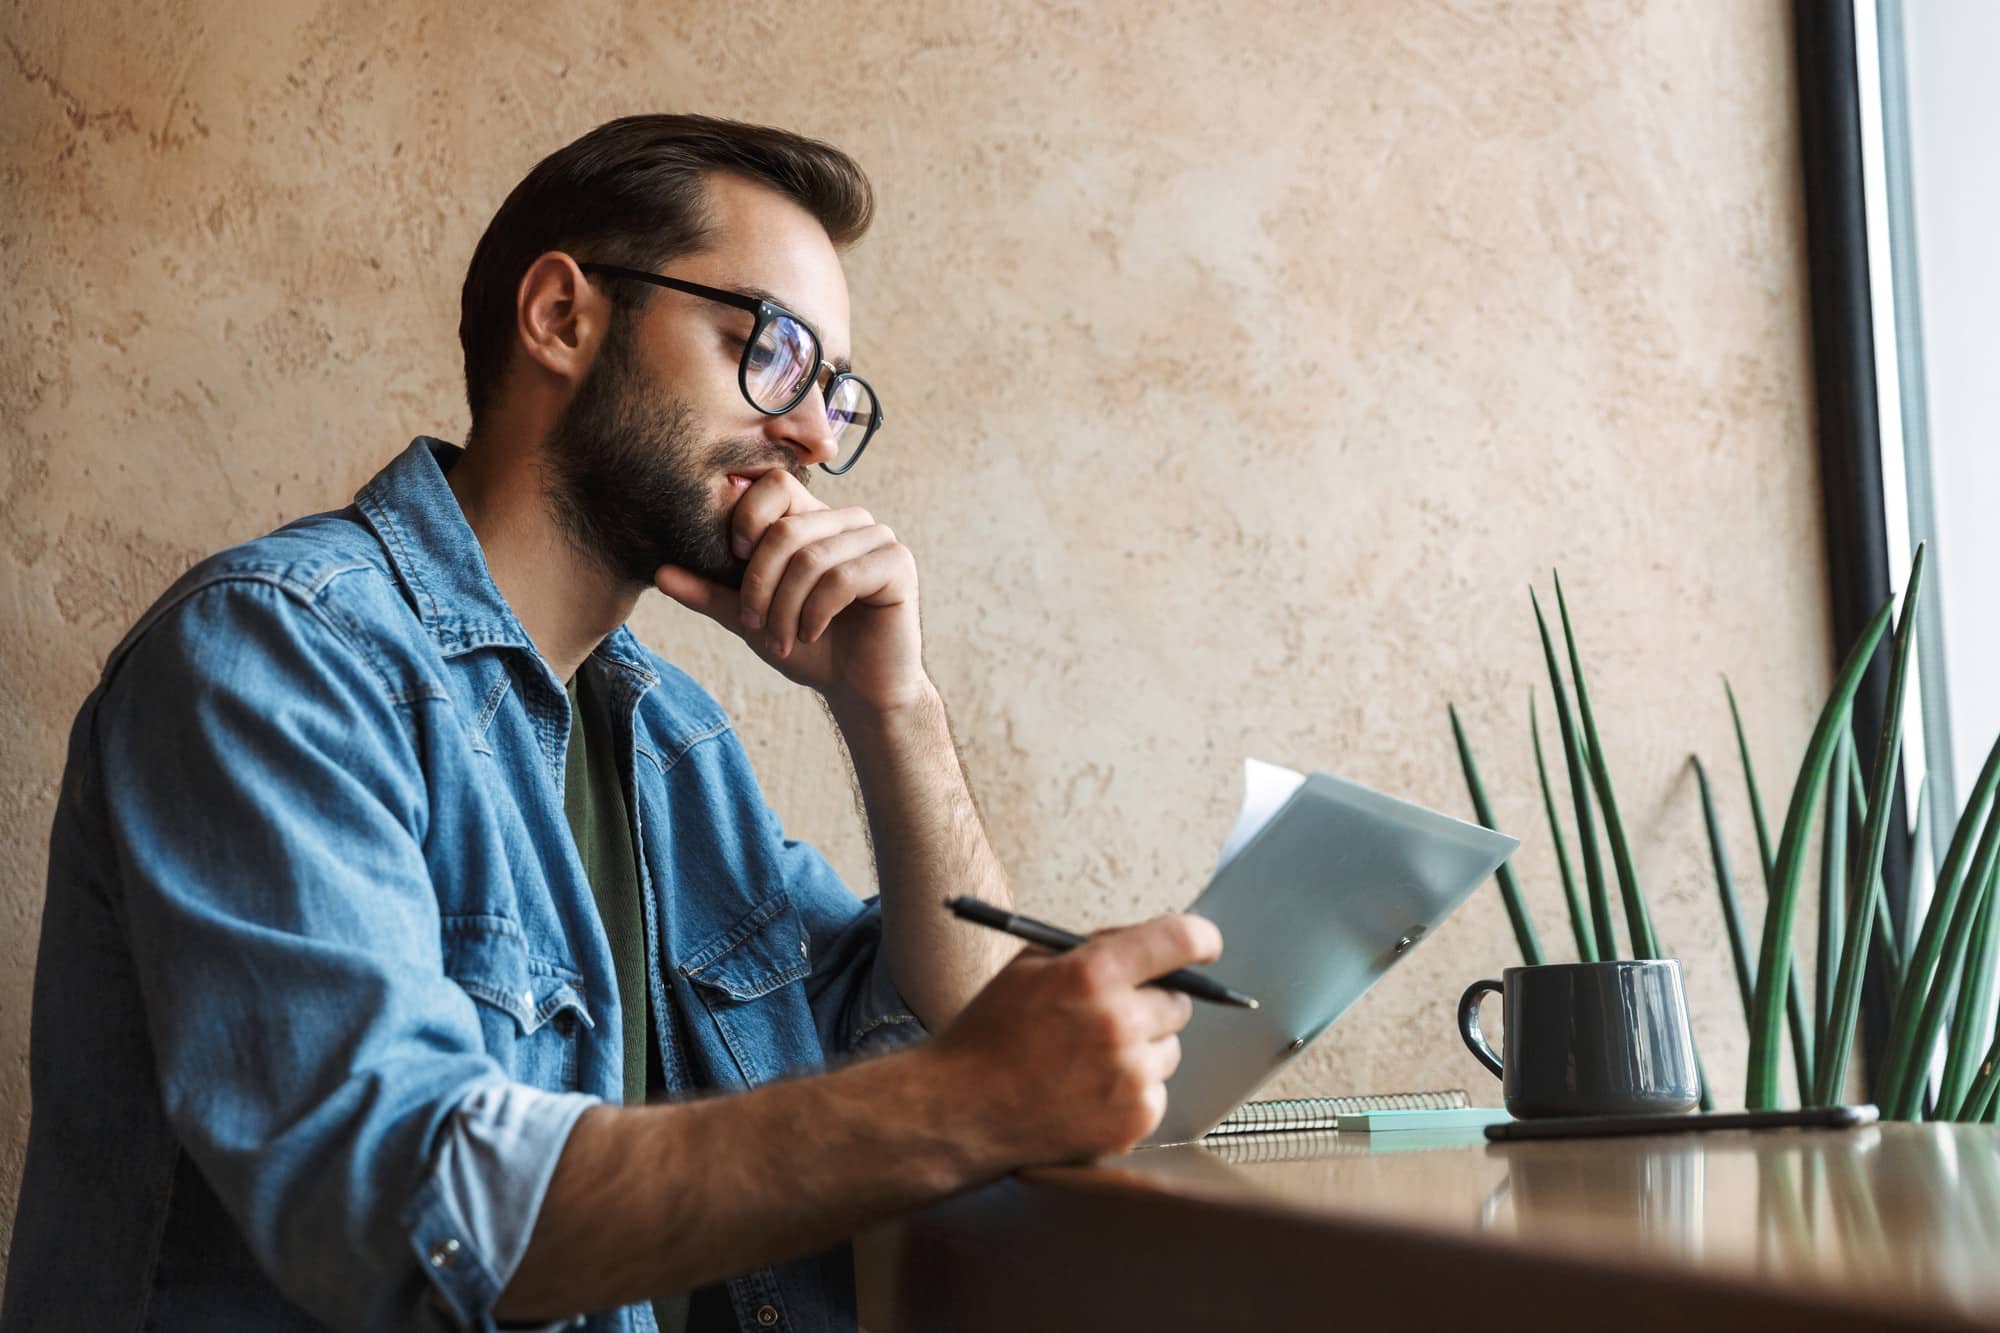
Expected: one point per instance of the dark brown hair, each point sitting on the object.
(631, 192)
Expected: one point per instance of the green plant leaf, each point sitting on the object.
(1837, 1039)
(1579, 911)
(1725, 887)
(1795, 1008)
(1975, 1001)
(1638, 921)
(1945, 986)
(1921, 838)
(1984, 1106)
(1914, 1026)
(1750, 781)
(1885, 929)
(1979, 1101)
(1579, 790)
(1774, 963)
(1510, 891)
(1832, 890)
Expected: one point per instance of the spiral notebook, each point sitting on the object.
(1285, 1114)
(1299, 1145)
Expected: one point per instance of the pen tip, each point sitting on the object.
(1255, 1005)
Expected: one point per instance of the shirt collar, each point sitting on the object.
(438, 558)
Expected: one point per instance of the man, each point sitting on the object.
(401, 903)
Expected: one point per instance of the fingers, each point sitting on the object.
(770, 498)
(880, 577)
(1157, 1012)
(1154, 948)
(799, 547)
(1162, 1057)
(719, 603)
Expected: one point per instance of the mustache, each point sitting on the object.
(759, 457)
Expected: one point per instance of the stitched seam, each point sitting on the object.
(148, 622)
(392, 533)
(883, 1021)
(764, 985)
(746, 926)
(159, 1240)
(667, 763)
(491, 708)
(336, 619)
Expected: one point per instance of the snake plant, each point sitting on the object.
(1943, 965)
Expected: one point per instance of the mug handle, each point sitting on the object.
(1468, 1024)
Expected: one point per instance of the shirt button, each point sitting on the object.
(803, 952)
(444, 1254)
(528, 998)
(767, 1315)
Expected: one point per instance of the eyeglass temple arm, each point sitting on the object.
(736, 299)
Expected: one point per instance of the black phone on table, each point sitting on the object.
(1682, 1122)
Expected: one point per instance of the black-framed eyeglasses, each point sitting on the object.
(782, 361)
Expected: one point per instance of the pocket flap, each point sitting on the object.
(764, 949)
(489, 959)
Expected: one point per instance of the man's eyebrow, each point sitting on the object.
(839, 363)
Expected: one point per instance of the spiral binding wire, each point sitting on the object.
(1302, 1113)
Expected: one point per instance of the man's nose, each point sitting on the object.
(806, 431)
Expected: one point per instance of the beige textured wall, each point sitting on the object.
(1246, 362)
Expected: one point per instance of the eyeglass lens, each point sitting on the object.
(850, 410)
(780, 362)
(779, 366)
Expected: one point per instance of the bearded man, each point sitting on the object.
(418, 950)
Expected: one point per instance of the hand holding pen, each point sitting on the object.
(1065, 1056)
(1185, 980)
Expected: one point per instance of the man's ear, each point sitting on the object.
(559, 318)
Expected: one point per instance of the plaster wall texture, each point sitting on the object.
(1246, 364)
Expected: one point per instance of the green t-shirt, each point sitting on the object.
(594, 801)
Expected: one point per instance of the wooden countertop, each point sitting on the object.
(1894, 1226)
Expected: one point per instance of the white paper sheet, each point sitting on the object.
(1266, 787)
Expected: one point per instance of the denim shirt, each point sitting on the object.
(322, 987)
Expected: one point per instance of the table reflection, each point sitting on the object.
(1909, 1211)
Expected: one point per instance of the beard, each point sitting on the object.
(629, 480)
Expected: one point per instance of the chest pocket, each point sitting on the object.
(749, 979)
(531, 1010)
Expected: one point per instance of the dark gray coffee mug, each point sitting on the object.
(1589, 1038)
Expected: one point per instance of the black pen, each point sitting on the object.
(1185, 980)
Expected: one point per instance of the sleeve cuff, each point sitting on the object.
(470, 1222)
(882, 1020)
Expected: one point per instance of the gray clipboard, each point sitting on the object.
(1325, 898)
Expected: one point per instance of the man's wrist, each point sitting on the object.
(915, 708)
(972, 1144)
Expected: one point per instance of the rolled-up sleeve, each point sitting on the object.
(500, 1148)
(267, 810)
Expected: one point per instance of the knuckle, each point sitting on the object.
(1195, 935)
(1095, 975)
(1106, 1028)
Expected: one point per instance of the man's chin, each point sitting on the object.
(725, 569)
